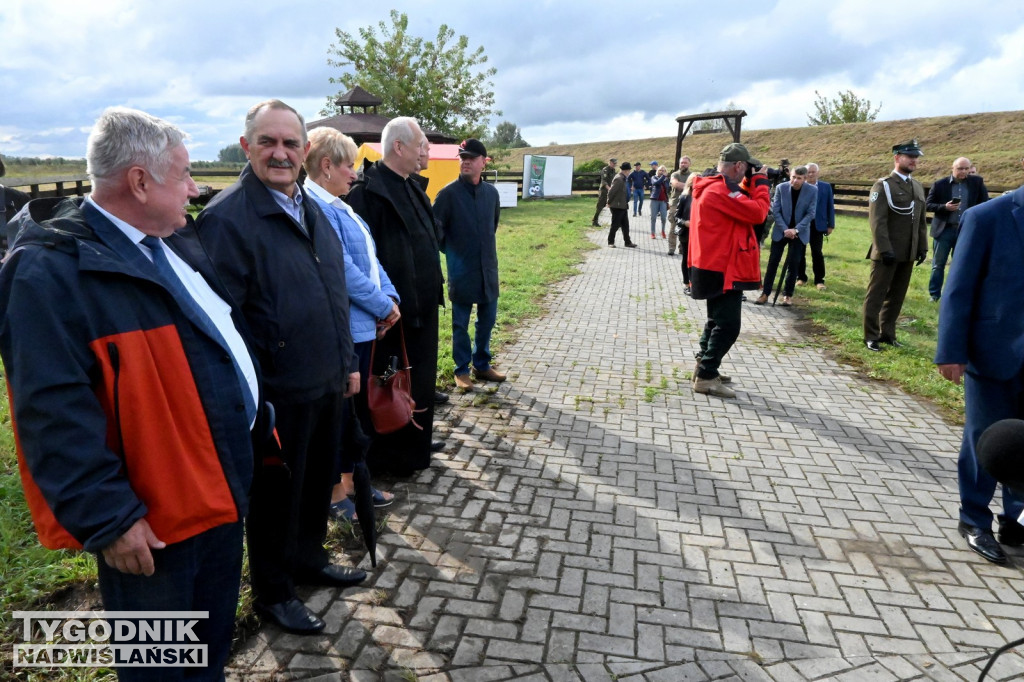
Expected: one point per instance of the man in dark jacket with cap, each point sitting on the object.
(725, 256)
(466, 212)
(899, 240)
(618, 204)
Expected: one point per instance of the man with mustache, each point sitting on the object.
(283, 264)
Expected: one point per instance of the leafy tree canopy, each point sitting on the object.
(233, 153)
(507, 135)
(440, 82)
(845, 108)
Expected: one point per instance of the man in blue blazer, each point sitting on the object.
(822, 225)
(793, 208)
(981, 339)
(948, 199)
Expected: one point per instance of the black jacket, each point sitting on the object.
(290, 287)
(942, 191)
(409, 254)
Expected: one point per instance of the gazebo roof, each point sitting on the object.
(357, 97)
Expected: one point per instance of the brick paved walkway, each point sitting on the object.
(593, 519)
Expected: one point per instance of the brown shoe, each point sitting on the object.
(488, 374)
(713, 387)
(761, 300)
(786, 300)
(463, 382)
(801, 282)
(820, 286)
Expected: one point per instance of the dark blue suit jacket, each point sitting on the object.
(980, 320)
(942, 191)
(825, 213)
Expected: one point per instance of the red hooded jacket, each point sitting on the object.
(724, 252)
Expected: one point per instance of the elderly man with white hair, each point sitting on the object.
(401, 221)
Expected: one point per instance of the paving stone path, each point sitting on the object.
(593, 519)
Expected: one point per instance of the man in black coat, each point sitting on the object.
(948, 199)
(283, 264)
(401, 221)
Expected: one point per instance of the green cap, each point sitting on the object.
(908, 148)
(738, 152)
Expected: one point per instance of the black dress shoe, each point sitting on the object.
(291, 615)
(436, 445)
(1010, 532)
(982, 542)
(873, 345)
(331, 575)
(894, 343)
(440, 398)
(631, 245)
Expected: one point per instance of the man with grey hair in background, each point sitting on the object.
(132, 389)
(401, 221)
(677, 181)
(283, 263)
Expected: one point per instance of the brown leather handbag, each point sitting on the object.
(389, 395)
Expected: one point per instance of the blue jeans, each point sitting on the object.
(638, 200)
(462, 353)
(201, 573)
(944, 245)
(659, 208)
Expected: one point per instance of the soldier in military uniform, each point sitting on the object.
(607, 173)
(899, 240)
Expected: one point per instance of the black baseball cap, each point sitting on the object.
(472, 148)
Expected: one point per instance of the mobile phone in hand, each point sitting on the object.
(955, 200)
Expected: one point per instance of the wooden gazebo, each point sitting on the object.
(360, 121)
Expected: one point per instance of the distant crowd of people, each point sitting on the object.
(722, 215)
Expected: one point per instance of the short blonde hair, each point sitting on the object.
(331, 144)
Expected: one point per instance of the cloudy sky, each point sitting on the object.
(568, 71)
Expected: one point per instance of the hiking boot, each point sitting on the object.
(713, 387)
(463, 382)
(489, 374)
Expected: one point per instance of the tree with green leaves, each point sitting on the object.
(233, 153)
(845, 108)
(442, 82)
(507, 135)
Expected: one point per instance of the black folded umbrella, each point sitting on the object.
(357, 443)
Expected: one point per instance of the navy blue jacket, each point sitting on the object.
(290, 287)
(466, 227)
(123, 409)
(980, 324)
(825, 213)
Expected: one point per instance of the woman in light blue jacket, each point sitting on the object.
(374, 301)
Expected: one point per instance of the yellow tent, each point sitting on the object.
(442, 168)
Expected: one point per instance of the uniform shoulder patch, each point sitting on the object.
(874, 196)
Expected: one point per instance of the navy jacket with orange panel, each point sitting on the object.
(122, 408)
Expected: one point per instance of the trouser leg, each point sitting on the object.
(461, 350)
(720, 332)
(796, 254)
(817, 257)
(893, 303)
(486, 316)
(986, 402)
(879, 279)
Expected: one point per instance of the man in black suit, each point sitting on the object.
(948, 199)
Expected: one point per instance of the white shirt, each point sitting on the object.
(213, 305)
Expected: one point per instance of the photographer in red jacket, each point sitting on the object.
(725, 257)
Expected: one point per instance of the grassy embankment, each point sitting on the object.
(851, 152)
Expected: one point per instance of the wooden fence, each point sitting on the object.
(851, 197)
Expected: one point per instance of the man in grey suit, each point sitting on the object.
(793, 208)
(948, 198)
